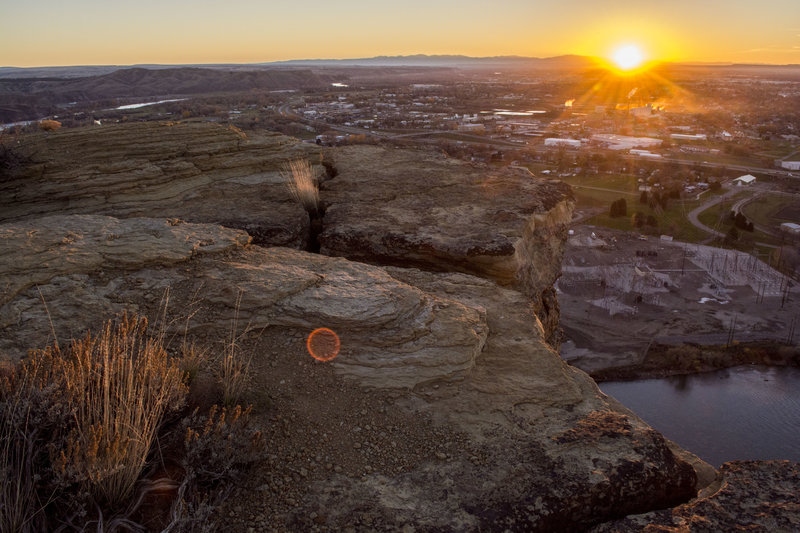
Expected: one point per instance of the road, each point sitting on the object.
(692, 216)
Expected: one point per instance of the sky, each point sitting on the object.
(112, 32)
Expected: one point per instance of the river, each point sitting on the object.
(746, 412)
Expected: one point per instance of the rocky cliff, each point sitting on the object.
(447, 407)
(201, 172)
(416, 208)
(461, 352)
(391, 207)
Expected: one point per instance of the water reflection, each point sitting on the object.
(745, 412)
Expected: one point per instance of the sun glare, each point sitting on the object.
(628, 57)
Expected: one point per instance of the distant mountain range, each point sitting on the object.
(29, 93)
(563, 62)
(419, 60)
(450, 61)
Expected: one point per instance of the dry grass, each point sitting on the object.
(114, 390)
(235, 367)
(20, 506)
(300, 180)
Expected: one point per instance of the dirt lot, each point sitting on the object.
(620, 291)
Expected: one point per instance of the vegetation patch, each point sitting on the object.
(81, 427)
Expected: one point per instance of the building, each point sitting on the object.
(568, 143)
(790, 165)
(791, 227)
(689, 137)
(624, 142)
(643, 153)
(747, 179)
(472, 128)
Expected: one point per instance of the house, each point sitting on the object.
(747, 179)
(554, 141)
(689, 137)
(791, 227)
(791, 165)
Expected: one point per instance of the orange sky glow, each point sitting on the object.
(81, 32)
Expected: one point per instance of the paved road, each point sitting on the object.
(692, 215)
(629, 193)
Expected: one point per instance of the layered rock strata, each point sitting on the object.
(416, 208)
(385, 206)
(555, 453)
(199, 172)
(762, 496)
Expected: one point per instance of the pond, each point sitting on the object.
(746, 412)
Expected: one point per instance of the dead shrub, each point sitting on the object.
(49, 125)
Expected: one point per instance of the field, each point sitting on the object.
(770, 210)
(599, 191)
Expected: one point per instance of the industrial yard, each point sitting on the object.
(620, 292)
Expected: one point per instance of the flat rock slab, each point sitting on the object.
(199, 172)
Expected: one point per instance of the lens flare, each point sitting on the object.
(323, 344)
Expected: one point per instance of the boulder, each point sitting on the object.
(761, 496)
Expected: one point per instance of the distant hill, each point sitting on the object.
(29, 98)
(453, 61)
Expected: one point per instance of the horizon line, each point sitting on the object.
(396, 57)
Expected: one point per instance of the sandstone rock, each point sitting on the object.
(417, 209)
(385, 206)
(200, 172)
(555, 454)
(761, 496)
(394, 335)
(34, 252)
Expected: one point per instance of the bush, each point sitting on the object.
(91, 414)
(78, 425)
(218, 447)
(49, 125)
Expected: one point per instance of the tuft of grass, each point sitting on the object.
(21, 439)
(78, 424)
(218, 447)
(302, 185)
(117, 387)
(235, 367)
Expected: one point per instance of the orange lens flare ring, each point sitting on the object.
(323, 344)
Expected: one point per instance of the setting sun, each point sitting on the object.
(628, 57)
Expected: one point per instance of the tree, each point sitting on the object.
(741, 222)
(732, 235)
(638, 219)
(643, 197)
(619, 208)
